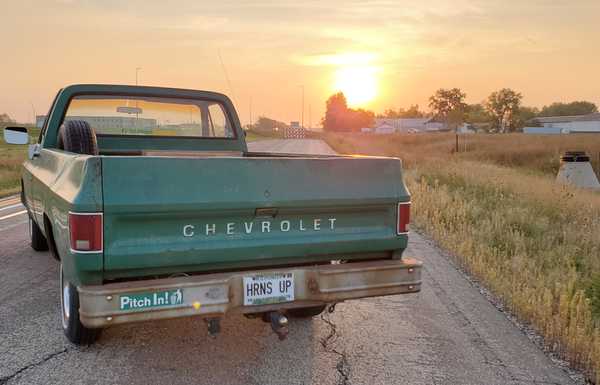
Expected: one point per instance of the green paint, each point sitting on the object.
(147, 201)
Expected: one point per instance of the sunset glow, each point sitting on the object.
(359, 84)
(381, 54)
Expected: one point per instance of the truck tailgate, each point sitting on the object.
(165, 215)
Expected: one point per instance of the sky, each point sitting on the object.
(266, 54)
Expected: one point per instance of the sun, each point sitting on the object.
(358, 83)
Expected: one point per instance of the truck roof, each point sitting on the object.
(63, 99)
(74, 89)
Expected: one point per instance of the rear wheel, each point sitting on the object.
(306, 312)
(69, 308)
(38, 241)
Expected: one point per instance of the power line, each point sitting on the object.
(227, 77)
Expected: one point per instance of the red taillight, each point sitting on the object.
(403, 217)
(85, 230)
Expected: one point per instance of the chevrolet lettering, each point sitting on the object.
(154, 208)
(265, 226)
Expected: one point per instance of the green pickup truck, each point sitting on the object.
(154, 207)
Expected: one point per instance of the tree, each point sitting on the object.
(4, 118)
(338, 117)
(448, 103)
(336, 109)
(412, 112)
(568, 109)
(360, 118)
(524, 115)
(476, 114)
(267, 124)
(503, 106)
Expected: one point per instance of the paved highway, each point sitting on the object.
(447, 334)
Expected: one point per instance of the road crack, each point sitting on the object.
(4, 380)
(342, 366)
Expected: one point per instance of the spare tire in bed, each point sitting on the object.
(77, 136)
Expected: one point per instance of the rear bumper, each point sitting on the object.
(213, 295)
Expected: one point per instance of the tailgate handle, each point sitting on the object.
(266, 212)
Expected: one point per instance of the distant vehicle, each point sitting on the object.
(167, 214)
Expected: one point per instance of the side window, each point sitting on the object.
(218, 122)
(45, 125)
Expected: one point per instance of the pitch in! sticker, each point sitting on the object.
(149, 300)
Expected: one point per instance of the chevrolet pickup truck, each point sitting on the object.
(151, 202)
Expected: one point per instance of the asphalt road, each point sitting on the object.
(447, 334)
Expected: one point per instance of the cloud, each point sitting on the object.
(338, 59)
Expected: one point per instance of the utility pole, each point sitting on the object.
(309, 116)
(34, 115)
(250, 124)
(137, 69)
(302, 115)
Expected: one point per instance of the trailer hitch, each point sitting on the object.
(279, 324)
(214, 326)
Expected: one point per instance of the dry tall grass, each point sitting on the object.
(539, 153)
(533, 243)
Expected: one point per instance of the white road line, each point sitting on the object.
(11, 206)
(8, 198)
(13, 215)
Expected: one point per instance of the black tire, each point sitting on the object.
(50, 239)
(38, 241)
(306, 312)
(77, 136)
(69, 309)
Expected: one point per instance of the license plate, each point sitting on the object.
(266, 289)
(151, 299)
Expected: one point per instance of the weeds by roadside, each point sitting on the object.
(533, 243)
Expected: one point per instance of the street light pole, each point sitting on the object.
(302, 115)
(137, 69)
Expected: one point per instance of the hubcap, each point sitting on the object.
(65, 300)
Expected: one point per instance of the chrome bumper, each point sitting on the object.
(213, 295)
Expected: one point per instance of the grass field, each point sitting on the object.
(497, 209)
(253, 135)
(535, 153)
(11, 158)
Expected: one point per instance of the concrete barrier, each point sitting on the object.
(576, 170)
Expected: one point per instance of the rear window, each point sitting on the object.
(151, 116)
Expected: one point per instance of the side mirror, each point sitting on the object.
(16, 135)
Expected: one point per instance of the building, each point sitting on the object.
(111, 124)
(565, 124)
(406, 125)
(466, 128)
(385, 128)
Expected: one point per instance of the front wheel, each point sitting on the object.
(69, 306)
